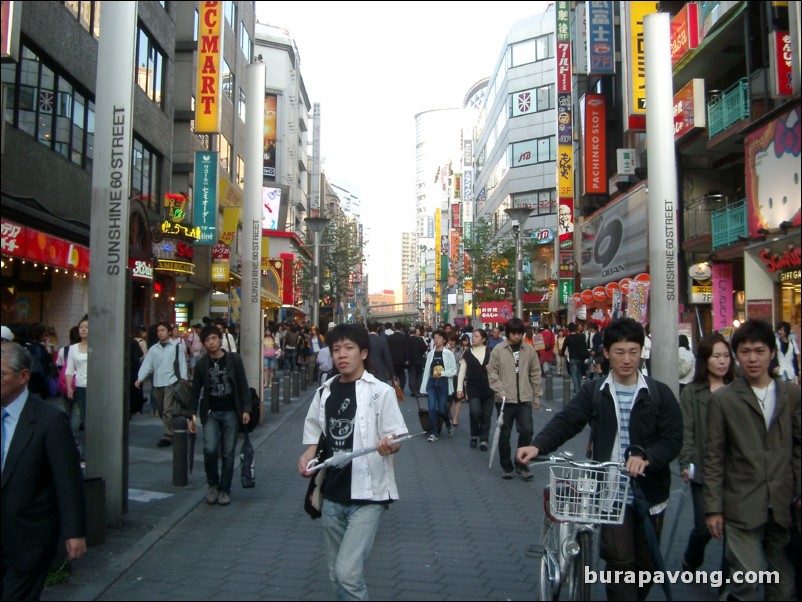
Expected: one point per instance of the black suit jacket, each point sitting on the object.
(379, 357)
(398, 348)
(42, 488)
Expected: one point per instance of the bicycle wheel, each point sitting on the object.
(549, 584)
(580, 589)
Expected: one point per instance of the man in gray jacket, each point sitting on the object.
(514, 375)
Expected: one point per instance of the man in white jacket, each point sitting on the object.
(350, 412)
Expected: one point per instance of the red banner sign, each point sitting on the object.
(496, 311)
(27, 243)
(684, 31)
(595, 144)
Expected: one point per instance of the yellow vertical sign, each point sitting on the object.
(637, 62)
(565, 170)
(437, 251)
(210, 47)
(265, 253)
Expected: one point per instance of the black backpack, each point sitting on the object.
(256, 412)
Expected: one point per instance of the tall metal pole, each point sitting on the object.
(662, 169)
(316, 225)
(108, 255)
(251, 325)
(518, 216)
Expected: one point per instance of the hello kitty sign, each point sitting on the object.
(772, 173)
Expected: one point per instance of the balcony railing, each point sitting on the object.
(696, 218)
(730, 107)
(729, 224)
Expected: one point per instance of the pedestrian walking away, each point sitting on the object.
(43, 496)
(514, 375)
(221, 398)
(351, 412)
(635, 419)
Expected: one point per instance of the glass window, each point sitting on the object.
(545, 48)
(523, 53)
(241, 105)
(245, 42)
(543, 150)
(149, 72)
(228, 81)
(545, 98)
(87, 14)
(225, 153)
(78, 123)
(144, 175)
(230, 11)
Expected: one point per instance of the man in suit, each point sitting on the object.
(398, 352)
(42, 486)
(380, 358)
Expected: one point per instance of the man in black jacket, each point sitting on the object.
(634, 419)
(398, 352)
(223, 405)
(380, 360)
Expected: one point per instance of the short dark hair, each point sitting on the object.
(207, 330)
(441, 332)
(684, 342)
(593, 326)
(481, 332)
(754, 331)
(164, 323)
(623, 330)
(572, 327)
(514, 325)
(704, 353)
(350, 332)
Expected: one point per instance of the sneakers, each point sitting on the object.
(432, 438)
(451, 430)
(223, 499)
(474, 442)
(506, 475)
(523, 472)
(483, 445)
(213, 495)
(164, 443)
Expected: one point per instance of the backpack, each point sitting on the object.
(256, 413)
(39, 383)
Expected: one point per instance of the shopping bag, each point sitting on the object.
(248, 464)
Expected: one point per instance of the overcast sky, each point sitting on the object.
(372, 67)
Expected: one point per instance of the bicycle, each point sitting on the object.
(579, 498)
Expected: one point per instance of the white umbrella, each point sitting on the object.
(338, 460)
(497, 434)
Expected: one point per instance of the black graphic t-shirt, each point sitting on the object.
(221, 389)
(437, 364)
(340, 416)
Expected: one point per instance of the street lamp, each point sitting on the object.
(316, 225)
(518, 217)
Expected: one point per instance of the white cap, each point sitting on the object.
(7, 335)
(331, 325)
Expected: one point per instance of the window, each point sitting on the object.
(227, 79)
(545, 47)
(245, 43)
(145, 175)
(543, 202)
(530, 152)
(524, 52)
(88, 15)
(532, 100)
(48, 106)
(230, 11)
(225, 153)
(149, 68)
(241, 105)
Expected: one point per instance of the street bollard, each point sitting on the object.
(310, 374)
(274, 396)
(180, 458)
(287, 385)
(296, 384)
(566, 390)
(549, 387)
(302, 377)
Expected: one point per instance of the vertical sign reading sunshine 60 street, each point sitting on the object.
(204, 203)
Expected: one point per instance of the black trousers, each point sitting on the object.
(21, 586)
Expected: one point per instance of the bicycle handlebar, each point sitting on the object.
(586, 464)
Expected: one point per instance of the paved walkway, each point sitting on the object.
(459, 531)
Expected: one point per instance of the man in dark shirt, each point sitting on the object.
(398, 352)
(380, 361)
(220, 394)
(577, 349)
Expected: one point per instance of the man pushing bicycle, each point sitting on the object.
(632, 413)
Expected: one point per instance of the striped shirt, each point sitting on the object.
(626, 397)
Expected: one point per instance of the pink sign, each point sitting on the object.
(722, 295)
(496, 311)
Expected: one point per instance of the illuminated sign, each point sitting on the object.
(141, 269)
(180, 267)
(176, 205)
(210, 47)
(172, 229)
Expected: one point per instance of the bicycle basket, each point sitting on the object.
(588, 495)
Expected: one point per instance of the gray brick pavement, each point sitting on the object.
(459, 532)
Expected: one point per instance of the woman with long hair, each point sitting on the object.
(714, 369)
(76, 367)
(472, 383)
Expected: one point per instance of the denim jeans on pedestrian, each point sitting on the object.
(575, 366)
(77, 409)
(521, 414)
(437, 390)
(348, 534)
(221, 429)
(481, 416)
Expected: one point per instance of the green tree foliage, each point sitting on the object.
(492, 256)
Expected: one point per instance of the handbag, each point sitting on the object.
(256, 412)
(247, 464)
(313, 501)
(399, 392)
(181, 392)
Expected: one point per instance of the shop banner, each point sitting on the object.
(601, 38)
(566, 290)
(30, 244)
(496, 311)
(723, 309)
(638, 301)
(595, 144)
(204, 203)
(210, 49)
(231, 216)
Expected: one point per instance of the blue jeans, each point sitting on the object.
(77, 409)
(575, 366)
(437, 391)
(220, 428)
(348, 534)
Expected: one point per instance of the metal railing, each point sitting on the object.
(696, 218)
(731, 106)
(729, 224)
